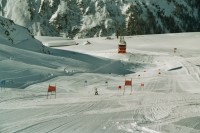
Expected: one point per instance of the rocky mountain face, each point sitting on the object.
(89, 18)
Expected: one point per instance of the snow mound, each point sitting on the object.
(86, 43)
(56, 41)
(133, 128)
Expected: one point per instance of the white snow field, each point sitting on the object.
(169, 102)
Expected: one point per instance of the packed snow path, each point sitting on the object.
(169, 102)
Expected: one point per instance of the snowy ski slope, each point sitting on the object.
(169, 102)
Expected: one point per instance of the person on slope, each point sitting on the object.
(96, 91)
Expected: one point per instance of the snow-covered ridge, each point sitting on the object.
(89, 18)
(19, 37)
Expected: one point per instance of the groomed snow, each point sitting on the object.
(168, 102)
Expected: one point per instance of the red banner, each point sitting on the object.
(142, 84)
(128, 82)
(52, 88)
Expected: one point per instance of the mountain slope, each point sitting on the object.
(88, 18)
(25, 61)
(19, 37)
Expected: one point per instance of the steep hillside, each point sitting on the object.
(88, 18)
(19, 37)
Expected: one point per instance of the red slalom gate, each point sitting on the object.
(142, 84)
(128, 83)
(51, 89)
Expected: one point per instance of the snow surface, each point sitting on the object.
(168, 102)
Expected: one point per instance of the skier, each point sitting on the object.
(96, 91)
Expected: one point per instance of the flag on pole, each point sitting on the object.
(128, 82)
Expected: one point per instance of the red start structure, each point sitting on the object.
(122, 46)
(51, 89)
(128, 83)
